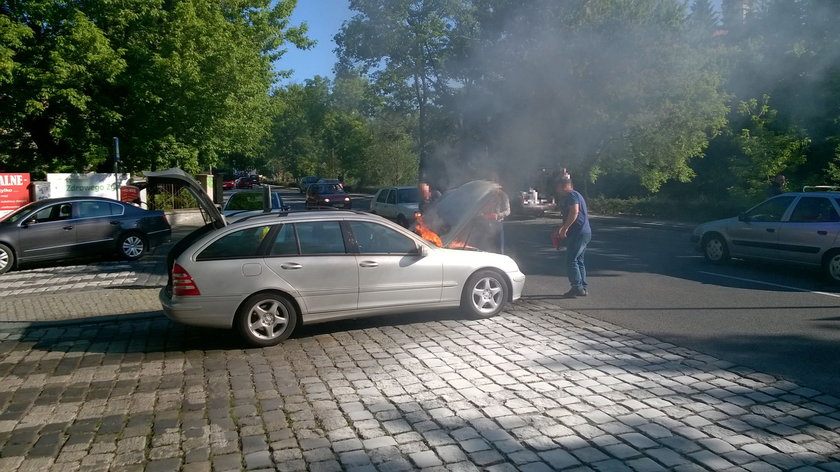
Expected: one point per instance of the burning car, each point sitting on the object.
(457, 220)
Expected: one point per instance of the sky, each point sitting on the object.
(324, 18)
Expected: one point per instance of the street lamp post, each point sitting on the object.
(117, 166)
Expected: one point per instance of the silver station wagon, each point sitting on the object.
(797, 227)
(265, 275)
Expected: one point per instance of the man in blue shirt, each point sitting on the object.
(576, 233)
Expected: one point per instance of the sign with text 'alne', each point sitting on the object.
(14, 192)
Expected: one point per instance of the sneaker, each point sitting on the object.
(574, 293)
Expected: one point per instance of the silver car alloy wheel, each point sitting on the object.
(133, 246)
(4, 260)
(267, 319)
(714, 249)
(487, 295)
(834, 267)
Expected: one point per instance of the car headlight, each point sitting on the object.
(346, 199)
(326, 200)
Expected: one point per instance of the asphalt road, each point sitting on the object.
(645, 277)
(778, 319)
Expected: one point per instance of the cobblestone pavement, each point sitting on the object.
(535, 389)
(87, 288)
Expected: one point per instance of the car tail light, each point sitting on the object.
(182, 283)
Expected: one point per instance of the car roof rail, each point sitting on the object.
(821, 188)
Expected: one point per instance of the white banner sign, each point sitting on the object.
(86, 185)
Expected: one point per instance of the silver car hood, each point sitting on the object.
(452, 215)
(181, 179)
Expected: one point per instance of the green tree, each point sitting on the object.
(404, 46)
(182, 83)
(596, 86)
(766, 151)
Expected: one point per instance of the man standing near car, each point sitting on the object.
(576, 233)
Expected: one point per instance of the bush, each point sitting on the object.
(697, 209)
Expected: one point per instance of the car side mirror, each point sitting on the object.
(420, 250)
(743, 217)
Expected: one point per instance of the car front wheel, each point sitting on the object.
(265, 319)
(832, 266)
(7, 259)
(484, 294)
(715, 250)
(132, 246)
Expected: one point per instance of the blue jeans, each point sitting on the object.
(575, 247)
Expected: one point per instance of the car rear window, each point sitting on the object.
(98, 209)
(814, 210)
(285, 243)
(320, 237)
(239, 244)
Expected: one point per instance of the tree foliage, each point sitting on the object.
(183, 82)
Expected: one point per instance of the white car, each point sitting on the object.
(266, 274)
(396, 203)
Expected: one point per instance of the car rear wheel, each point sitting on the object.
(265, 319)
(831, 265)
(715, 250)
(132, 246)
(7, 259)
(484, 294)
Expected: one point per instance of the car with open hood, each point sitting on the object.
(267, 274)
(457, 219)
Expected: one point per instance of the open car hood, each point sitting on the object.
(181, 179)
(453, 215)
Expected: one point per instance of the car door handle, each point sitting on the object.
(369, 264)
(67, 228)
(770, 230)
(291, 266)
(822, 233)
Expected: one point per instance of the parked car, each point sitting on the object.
(265, 276)
(244, 182)
(229, 184)
(251, 201)
(397, 203)
(797, 227)
(306, 182)
(70, 227)
(331, 195)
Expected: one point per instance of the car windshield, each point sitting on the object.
(17, 215)
(247, 201)
(408, 195)
(329, 188)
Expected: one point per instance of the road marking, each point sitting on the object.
(798, 289)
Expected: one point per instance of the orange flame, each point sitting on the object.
(424, 231)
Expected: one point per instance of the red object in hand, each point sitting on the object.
(555, 239)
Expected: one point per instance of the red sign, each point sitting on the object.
(129, 194)
(14, 192)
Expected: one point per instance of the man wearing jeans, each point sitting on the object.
(576, 233)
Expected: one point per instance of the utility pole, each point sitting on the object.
(117, 166)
